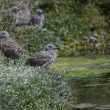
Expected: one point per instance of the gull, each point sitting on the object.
(43, 58)
(9, 47)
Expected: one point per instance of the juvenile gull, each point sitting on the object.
(9, 47)
(43, 58)
(38, 19)
(23, 16)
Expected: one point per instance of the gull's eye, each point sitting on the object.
(49, 46)
(3, 33)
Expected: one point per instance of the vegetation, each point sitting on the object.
(77, 67)
(27, 88)
(68, 24)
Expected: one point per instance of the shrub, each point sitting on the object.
(27, 88)
(68, 24)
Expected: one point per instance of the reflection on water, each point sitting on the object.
(95, 91)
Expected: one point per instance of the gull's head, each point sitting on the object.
(4, 34)
(14, 9)
(39, 12)
(50, 47)
(25, 6)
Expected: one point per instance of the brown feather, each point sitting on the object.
(10, 48)
(23, 17)
(43, 58)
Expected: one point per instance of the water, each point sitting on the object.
(92, 93)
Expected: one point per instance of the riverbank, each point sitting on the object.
(83, 66)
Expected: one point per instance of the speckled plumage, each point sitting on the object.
(38, 19)
(43, 58)
(9, 47)
(23, 16)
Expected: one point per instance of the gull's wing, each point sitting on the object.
(39, 59)
(9, 43)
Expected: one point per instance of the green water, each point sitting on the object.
(92, 90)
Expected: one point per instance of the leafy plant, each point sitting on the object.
(69, 24)
(27, 88)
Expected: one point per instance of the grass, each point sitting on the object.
(28, 88)
(83, 66)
